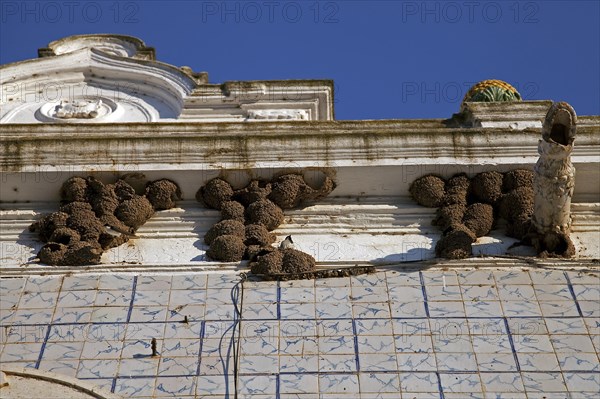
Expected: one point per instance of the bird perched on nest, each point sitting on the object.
(116, 231)
(287, 243)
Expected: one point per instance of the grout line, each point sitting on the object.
(278, 300)
(512, 344)
(277, 386)
(132, 299)
(356, 359)
(43, 348)
(202, 332)
(570, 285)
(439, 381)
(424, 293)
(113, 386)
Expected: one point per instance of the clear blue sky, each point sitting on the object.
(389, 59)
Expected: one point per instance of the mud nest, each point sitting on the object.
(290, 190)
(470, 208)
(255, 191)
(162, 194)
(264, 212)
(233, 210)
(94, 216)
(288, 261)
(248, 216)
(487, 187)
(214, 193)
(225, 227)
(227, 248)
(428, 191)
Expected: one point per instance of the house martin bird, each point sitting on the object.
(287, 243)
(116, 231)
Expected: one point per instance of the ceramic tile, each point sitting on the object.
(559, 309)
(337, 363)
(297, 295)
(153, 283)
(20, 352)
(374, 327)
(260, 295)
(43, 284)
(308, 328)
(444, 293)
(444, 278)
(298, 345)
(258, 385)
(376, 344)
(374, 362)
(491, 344)
(151, 298)
(405, 294)
(379, 382)
(219, 312)
(566, 326)
(547, 277)
(338, 383)
(145, 331)
(134, 387)
(214, 385)
(583, 277)
(307, 363)
(148, 313)
(589, 308)
(63, 350)
(373, 310)
(181, 366)
(64, 367)
(139, 367)
(543, 382)
(419, 382)
(74, 299)
(32, 316)
(332, 310)
(587, 292)
(527, 326)
(413, 343)
(456, 361)
(532, 344)
(446, 309)
(11, 286)
(260, 311)
(118, 282)
(416, 362)
(451, 343)
(193, 312)
(189, 281)
(69, 333)
(215, 365)
(25, 333)
(97, 368)
(411, 327)
(113, 298)
(102, 350)
(460, 383)
(332, 294)
(336, 344)
(369, 280)
(521, 308)
(475, 293)
(502, 382)
(176, 387)
(80, 282)
(72, 315)
(298, 311)
(302, 383)
(483, 309)
(538, 361)
(572, 343)
(179, 299)
(369, 294)
(408, 309)
(395, 278)
(189, 330)
(578, 361)
(38, 300)
(513, 277)
(117, 314)
(582, 382)
(496, 362)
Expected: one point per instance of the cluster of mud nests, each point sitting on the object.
(94, 217)
(470, 208)
(250, 214)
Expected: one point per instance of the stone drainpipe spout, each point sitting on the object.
(554, 182)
